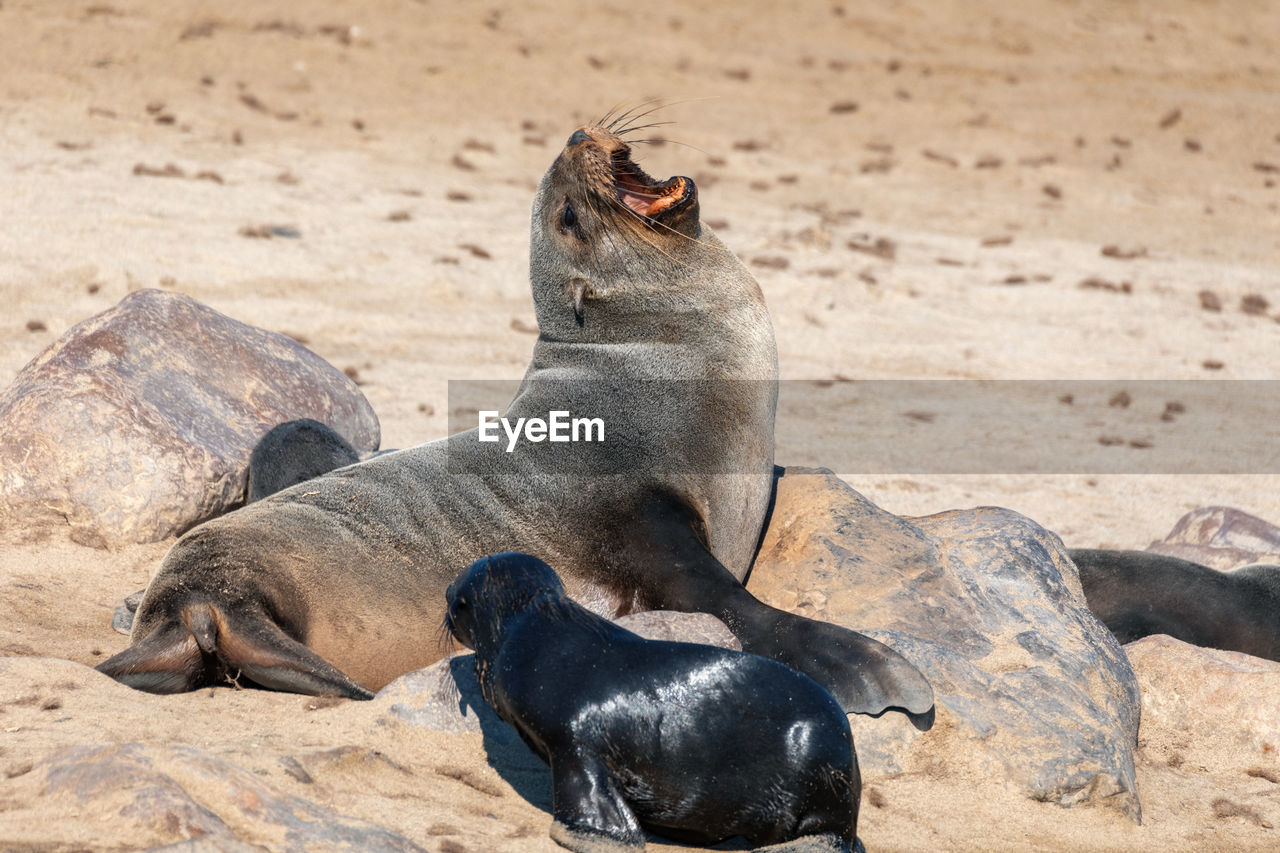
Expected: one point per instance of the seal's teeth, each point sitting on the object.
(649, 200)
(672, 195)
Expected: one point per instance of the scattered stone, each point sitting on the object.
(1210, 301)
(1221, 538)
(122, 617)
(881, 247)
(1254, 304)
(1171, 410)
(1095, 283)
(771, 262)
(1123, 254)
(169, 170)
(266, 232)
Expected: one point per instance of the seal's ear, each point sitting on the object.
(581, 288)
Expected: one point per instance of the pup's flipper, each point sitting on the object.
(591, 815)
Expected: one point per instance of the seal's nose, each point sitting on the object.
(579, 136)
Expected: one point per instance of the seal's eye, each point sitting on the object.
(568, 219)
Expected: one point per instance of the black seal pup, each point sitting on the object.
(689, 741)
(1138, 593)
(330, 586)
(293, 452)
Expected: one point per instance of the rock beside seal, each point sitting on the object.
(1215, 709)
(138, 423)
(1033, 693)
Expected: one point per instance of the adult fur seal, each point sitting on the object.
(1137, 593)
(330, 586)
(692, 741)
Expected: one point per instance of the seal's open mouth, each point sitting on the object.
(642, 193)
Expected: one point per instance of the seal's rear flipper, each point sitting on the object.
(207, 647)
(864, 675)
(167, 661)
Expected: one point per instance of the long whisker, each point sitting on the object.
(661, 141)
(609, 114)
(634, 128)
(659, 105)
(444, 636)
(626, 115)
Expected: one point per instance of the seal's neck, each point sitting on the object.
(703, 317)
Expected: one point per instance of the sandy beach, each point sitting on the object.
(982, 191)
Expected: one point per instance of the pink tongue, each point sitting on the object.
(640, 204)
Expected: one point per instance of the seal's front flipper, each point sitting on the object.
(209, 647)
(590, 814)
(864, 675)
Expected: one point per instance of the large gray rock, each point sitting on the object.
(137, 424)
(1221, 538)
(1033, 693)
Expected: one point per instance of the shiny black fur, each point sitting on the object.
(689, 741)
